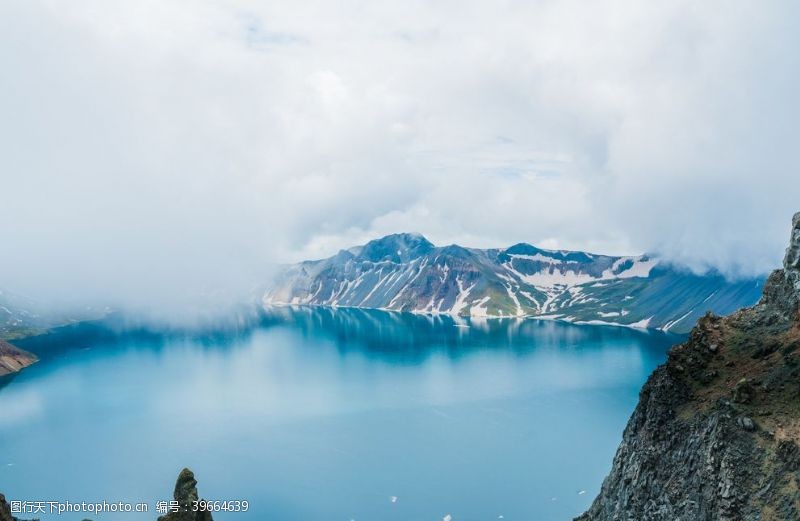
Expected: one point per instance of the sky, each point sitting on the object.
(164, 148)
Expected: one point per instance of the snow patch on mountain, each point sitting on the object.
(405, 272)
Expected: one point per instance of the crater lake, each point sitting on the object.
(314, 414)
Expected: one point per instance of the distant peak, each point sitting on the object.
(405, 236)
(397, 247)
(523, 248)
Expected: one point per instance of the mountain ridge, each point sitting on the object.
(406, 272)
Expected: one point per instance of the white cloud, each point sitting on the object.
(156, 148)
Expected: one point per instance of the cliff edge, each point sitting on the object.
(716, 433)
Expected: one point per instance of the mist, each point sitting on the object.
(158, 153)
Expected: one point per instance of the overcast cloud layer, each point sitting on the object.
(151, 149)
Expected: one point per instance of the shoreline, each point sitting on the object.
(13, 359)
(556, 318)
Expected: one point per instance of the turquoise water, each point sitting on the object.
(323, 415)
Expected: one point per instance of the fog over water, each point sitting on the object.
(316, 414)
(154, 152)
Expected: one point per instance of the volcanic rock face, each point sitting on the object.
(716, 433)
(186, 495)
(12, 359)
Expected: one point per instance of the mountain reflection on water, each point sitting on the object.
(319, 414)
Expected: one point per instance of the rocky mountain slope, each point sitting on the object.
(406, 272)
(12, 359)
(716, 433)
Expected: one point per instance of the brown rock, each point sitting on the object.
(13, 359)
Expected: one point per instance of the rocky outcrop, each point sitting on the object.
(5, 509)
(716, 433)
(13, 359)
(186, 495)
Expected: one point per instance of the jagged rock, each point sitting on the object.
(5, 509)
(186, 495)
(782, 290)
(791, 262)
(743, 392)
(746, 423)
(689, 453)
(708, 376)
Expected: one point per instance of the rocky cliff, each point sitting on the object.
(12, 359)
(186, 494)
(406, 272)
(716, 433)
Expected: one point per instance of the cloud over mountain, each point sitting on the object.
(160, 148)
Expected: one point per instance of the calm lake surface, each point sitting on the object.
(325, 415)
